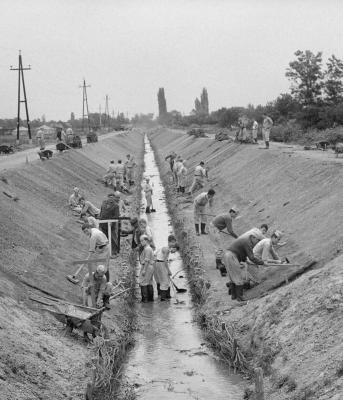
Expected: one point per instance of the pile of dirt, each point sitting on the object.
(40, 239)
(293, 333)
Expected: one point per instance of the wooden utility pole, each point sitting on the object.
(21, 81)
(107, 113)
(85, 103)
(100, 116)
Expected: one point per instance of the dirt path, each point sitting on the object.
(19, 158)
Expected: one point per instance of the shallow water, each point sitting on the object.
(170, 359)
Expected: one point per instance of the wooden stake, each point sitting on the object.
(259, 390)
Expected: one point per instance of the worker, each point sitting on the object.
(110, 210)
(172, 244)
(265, 250)
(218, 235)
(200, 174)
(259, 233)
(40, 139)
(134, 231)
(93, 222)
(70, 135)
(177, 165)
(74, 200)
(145, 278)
(145, 229)
(88, 208)
(182, 177)
(102, 289)
(254, 130)
(129, 170)
(266, 129)
(110, 173)
(162, 273)
(200, 203)
(147, 188)
(119, 175)
(98, 246)
(171, 157)
(237, 253)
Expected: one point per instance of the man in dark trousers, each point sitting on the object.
(110, 210)
(237, 253)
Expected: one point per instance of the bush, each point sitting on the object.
(285, 133)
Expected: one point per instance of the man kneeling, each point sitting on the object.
(102, 289)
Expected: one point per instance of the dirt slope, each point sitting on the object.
(295, 333)
(39, 239)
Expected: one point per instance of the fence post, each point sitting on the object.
(259, 390)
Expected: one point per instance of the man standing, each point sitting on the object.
(110, 173)
(102, 289)
(266, 128)
(129, 170)
(119, 171)
(200, 174)
(176, 169)
(200, 203)
(254, 130)
(216, 231)
(182, 177)
(171, 157)
(98, 246)
(110, 210)
(147, 188)
(237, 253)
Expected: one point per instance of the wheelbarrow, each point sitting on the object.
(76, 316)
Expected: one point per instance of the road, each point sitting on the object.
(19, 158)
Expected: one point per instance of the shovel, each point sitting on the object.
(179, 290)
(72, 278)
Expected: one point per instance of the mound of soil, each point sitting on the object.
(294, 332)
(40, 239)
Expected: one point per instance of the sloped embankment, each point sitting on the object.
(39, 239)
(295, 332)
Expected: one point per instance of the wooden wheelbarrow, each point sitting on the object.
(76, 316)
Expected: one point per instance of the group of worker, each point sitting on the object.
(243, 136)
(119, 174)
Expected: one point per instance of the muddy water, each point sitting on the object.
(170, 359)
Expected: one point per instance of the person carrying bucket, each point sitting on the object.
(145, 279)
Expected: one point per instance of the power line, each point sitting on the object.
(85, 103)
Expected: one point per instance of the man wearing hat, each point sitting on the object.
(129, 170)
(102, 288)
(265, 249)
(218, 235)
(147, 188)
(266, 129)
(200, 174)
(238, 252)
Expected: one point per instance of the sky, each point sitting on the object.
(127, 49)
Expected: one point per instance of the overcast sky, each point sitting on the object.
(237, 49)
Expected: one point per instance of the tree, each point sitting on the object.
(286, 105)
(204, 102)
(306, 77)
(333, 86)
(197, 106)
(162, 104)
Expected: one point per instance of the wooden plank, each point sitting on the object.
(90, 261)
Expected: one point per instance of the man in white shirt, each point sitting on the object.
(264, 249)
(200, 174)
(200, 217)
(98, 246)
(254, 130)
(110, 173)
(266, 129)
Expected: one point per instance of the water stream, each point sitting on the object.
(170, 359)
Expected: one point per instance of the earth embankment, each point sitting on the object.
(40, 238)
(295, 332)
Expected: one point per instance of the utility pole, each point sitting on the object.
(85, 103)
(21, 70)
(107, 113)
(100, 116)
